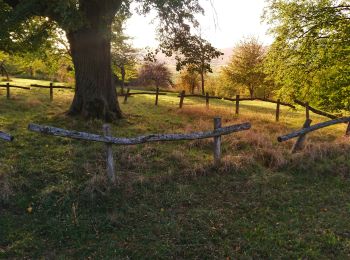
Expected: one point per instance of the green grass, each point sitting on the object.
(261, 202)
(26, 82)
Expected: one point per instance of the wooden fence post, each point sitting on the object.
(8, 90)
(207, 100)
(126, 96)
(109, 159)
(307, 110)
(278, 110)
(51, 91)
(299, 143)
(182, 97)
(237, 104)
(347, 133)
(157, 93)
(217, 142)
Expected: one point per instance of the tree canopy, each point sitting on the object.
(246, 65)
(191, 52)
(310, 57)
(155, 72)
(87, 24)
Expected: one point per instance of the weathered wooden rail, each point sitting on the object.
(110, 140)
(51, 87)
(301, 134)
(8, 86)
(6, 137)
(314, 110)
(156, 93)
(239, 98)
(207, 97)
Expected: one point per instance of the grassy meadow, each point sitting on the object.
(260, 202)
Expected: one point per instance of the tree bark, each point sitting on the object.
(202, 82)
(251, 91)
(4, 71)
(122, 71)
(95, 94)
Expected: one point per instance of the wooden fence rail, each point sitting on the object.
(156, 93)
(51, 87)
(301, 134)
(240, 99)
(109, 140)
(8, 86)
(312, 109)
(6, 137)
(183, 95)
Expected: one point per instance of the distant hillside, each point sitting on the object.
(216, 64)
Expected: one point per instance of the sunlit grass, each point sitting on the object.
(261, 202)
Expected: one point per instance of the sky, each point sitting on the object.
(224, 24)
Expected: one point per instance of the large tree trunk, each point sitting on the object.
(95, 94)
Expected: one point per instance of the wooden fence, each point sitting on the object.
(109, 140)
(301, 134)
(237, 100)
(8, 86)
(6, 137)
(309, 108)
(156, 93)
(51, 87)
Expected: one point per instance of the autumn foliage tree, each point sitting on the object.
(155, 72)
(246, 65)
(190, 79)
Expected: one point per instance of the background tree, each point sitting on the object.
(87, 24)
(155, 72)
(3, 59)
(246, 65)
(190, 79)
(310, 57)
(124, 55)
(193, 52)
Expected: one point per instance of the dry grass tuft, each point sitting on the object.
(323, 150)
(130, 159)
(324, 158)
(195, 171)
(235, 163)
(98, 185)
(5, 188)
(270, 158)
(32, 102)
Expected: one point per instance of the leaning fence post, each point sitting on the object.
(237, 104)
(182, 96)
(307, 110)
(110, 159)
(278, 110)
(51, 91)
(299, 143)
(207, 99)
(126, 96)
(8, 90)
(347, 133)
(217, 141)
(157, 93)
